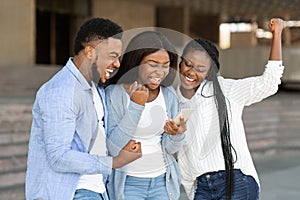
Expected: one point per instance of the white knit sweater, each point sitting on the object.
(202, 151)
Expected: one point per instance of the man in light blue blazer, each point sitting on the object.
(69, 114)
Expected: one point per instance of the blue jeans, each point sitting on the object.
(82, 194)
(212, 186)
(145, 188)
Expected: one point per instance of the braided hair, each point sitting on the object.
(220, 100)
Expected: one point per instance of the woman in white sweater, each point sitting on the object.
(215, 162)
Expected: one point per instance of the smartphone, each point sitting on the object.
(185, 113)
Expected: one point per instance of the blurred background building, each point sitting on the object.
(43, 31)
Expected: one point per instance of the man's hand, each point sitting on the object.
(138, 93)
(129, 153)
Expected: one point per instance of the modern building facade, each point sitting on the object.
(42, 31)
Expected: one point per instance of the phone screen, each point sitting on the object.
(185, 113)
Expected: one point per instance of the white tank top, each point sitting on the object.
(149, 132)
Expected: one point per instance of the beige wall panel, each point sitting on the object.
(241, 62)
(241, 39)
(17, 20)
(127, 14)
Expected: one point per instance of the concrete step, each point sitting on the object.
(265, 145)
(14, 137)
(14, 127)
(12, 186)
(283, 127)
(12, 180)
(13, 150)
(13, 164)
(14, 193)
(15, 118)
(14, 110)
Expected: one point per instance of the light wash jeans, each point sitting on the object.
(211, 186)
(82, 194)
(146, 188)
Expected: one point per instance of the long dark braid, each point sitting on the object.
(212, 51)
(225, 134)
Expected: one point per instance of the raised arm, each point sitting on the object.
(276, 26)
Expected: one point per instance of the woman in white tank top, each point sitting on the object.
(140, 106)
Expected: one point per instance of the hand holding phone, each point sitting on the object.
(176, 126)
(185, 113)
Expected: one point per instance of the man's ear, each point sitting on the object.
(89, 51)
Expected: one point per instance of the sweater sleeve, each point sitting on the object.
(254, 89)
(172, 143)
(122, 120)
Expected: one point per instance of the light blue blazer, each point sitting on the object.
(63, 127)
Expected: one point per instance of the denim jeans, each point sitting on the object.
(212, 186)
(146, 188)
(82, 194)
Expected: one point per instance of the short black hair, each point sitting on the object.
(96, 29)
(140, 46)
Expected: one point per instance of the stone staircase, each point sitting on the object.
(18, 86)
(272, 125)
(15, 121)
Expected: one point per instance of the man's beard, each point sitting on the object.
(95, 74)
(96, 77)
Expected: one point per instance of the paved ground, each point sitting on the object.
(272, 126)
(279, 176)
